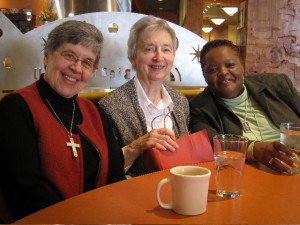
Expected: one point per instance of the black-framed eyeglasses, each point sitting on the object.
(73, 58)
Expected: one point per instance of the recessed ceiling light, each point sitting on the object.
(217, 21)
(230, 10)
(207, 29)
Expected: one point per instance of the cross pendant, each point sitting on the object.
(73, 145)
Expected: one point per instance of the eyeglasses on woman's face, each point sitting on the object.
(72, 58)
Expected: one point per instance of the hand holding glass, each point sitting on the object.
(290, 136)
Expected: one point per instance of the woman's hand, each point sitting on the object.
(162, 139)
(275, 155)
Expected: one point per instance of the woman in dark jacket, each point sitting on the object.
(253, 106)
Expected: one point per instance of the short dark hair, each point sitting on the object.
(214, 44)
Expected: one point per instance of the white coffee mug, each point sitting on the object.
(189, 190)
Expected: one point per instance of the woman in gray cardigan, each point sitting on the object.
(138, 107)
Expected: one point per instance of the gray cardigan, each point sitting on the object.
(129, 122)
(274, 93)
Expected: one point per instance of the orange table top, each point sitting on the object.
(266, 197)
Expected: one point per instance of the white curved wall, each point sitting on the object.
(26, 52)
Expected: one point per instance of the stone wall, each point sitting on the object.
(273, 38)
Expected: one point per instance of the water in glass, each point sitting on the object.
(229, 166)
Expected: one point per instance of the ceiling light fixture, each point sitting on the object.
(207, 29)
(230, 10)
(217, 21)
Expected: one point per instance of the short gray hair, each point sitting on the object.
(148, 23)
(75, 32)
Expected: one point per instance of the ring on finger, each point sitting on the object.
(271, 161)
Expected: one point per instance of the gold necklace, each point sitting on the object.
(71, 142)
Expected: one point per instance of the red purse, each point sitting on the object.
(193, 148)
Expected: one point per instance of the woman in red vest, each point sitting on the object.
(55, 145)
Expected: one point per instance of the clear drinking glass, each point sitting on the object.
(290, 136)
(230, 154)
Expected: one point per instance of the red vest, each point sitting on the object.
(61, 169)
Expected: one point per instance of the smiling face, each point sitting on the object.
(154, 56)
(64, 76)
(224, 72)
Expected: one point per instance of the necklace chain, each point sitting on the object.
(57, 117)
(246, 125)
(73, 145)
